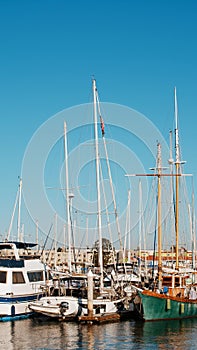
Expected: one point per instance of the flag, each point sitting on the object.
(102, 126)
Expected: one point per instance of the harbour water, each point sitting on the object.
(37, 334)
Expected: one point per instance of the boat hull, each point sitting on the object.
(16, 308)
(64, 307)
(67, 307)
(155, 306)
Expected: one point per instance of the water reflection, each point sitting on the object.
(44, 335)
(176, 334)
(6, 336)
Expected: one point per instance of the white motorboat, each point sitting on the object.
(69, 308)
(63, 307)
(22, 280)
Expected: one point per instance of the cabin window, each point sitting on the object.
(3, 275)
(17, 278)
(35, 276)
(167, 281)
(177, 282)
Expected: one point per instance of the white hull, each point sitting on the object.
(15, 309)
(57, 307)
(66, 307)
(21, 282)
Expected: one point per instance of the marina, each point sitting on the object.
(98, 175)
(112, 287)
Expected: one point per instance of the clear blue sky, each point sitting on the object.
(137, 50)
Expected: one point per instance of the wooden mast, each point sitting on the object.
(178, 162)
(159, 215)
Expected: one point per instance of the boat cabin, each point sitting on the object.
(175, 284)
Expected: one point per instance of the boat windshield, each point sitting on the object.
(35, 276)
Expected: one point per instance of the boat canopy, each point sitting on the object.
(18, 245)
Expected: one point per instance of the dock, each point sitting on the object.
(99, 318)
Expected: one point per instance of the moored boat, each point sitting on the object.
(21, 280)
(60, 307)
(173, 294)
(156, 306)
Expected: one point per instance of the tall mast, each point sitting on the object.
(12, 218)
(178, 162)
(94, 89)
(55, 240)
(67, 198)
(159, 213)
(140, 225)
(127, 230)
(193, 233)
(171, 163)
(129, 226)
(37, 241)
(64, 237)
(19, 211)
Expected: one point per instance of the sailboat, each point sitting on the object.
(105, 307)
(173, 296)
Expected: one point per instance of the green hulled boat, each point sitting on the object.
(173, 295)
(155, 306)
